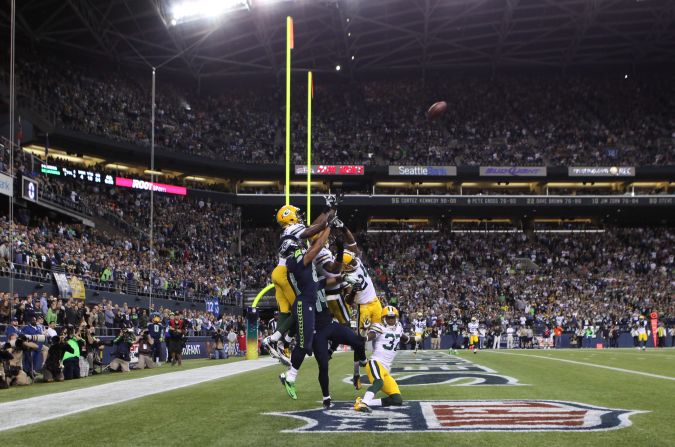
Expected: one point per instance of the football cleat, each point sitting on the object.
(359, 405)
(327, 403)
(290, 386)
(356, 380)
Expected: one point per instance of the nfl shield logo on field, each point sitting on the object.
(465, 415)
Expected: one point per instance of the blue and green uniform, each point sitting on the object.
(310, 302)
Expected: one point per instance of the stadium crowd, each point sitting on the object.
(511, 120)
(194, 256)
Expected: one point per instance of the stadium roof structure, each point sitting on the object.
(361, 36)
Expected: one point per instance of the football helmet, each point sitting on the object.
(288, 215)
(389, 312)
(420, 314)
(349, 261)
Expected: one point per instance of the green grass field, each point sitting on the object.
(230, 411)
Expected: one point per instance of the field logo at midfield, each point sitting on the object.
(436, 368)
(464, 415)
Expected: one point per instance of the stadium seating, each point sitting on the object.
(512, 120)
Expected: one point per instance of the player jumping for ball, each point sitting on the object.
(293, 227)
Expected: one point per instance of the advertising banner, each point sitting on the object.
(331, 169)
(77, 174)
(431, 171)
(147, 186)
(601, 171)
(512, 171)
(6, 185)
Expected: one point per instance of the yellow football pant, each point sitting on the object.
(376, 371)
(473, 340)
(283, 291)
(340, 310)
(642, 337)
(372, 311)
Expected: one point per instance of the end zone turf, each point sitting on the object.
(234, 409)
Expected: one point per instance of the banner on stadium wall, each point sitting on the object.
(76, 288)
(63, 285)
(430, 171)
(601, 171)
(6, 185)
(331, 169)
(512, 171)
(147, 186)
(212, 306)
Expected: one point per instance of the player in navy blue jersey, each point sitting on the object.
(310, 299)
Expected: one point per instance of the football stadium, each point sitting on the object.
(337, 222)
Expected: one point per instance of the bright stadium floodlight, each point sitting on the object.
(187, 10)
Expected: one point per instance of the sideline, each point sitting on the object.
(42, 408)
(611, 368)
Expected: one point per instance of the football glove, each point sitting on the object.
(366, 324)
(350, 279)
(330, 222)
(331, 200)
(337, 223)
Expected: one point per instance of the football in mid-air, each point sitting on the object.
(437, 109)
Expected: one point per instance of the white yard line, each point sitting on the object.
(43, 408)
(611, 368)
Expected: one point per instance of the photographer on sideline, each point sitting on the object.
(71, 359)
(5, 357)
(145, 351)
(219, 345)
(94, 348)
(53, 367)
(16, 345)
(122, 350)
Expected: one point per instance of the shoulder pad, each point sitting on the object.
(377, 327)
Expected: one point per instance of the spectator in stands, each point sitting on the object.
(13, 328)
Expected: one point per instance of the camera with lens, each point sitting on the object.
(39, 338)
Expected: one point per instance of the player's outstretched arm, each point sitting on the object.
(320, 223)
(316, 246)
(335, 266)
(349, 241)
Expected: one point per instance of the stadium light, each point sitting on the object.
(188, 10)
(338, 68)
